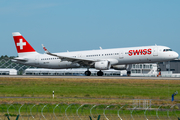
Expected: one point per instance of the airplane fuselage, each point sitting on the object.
(119, 56)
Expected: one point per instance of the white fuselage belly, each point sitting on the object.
(115, 56)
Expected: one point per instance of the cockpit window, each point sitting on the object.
(165, 50)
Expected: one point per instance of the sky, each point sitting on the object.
(76, 25)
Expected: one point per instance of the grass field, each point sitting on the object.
(102, 92)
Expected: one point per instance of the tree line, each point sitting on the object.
(6, 57)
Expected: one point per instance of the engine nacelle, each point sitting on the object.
(102, 65)
(120, 67)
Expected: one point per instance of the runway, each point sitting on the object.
(92, 77)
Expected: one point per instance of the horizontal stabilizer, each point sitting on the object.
(19, 59)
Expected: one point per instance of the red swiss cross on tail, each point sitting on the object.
(22, 45)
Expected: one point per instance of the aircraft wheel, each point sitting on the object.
(100, 73)
(87, 73)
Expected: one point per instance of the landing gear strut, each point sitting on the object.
(87, 73)
(100, 73)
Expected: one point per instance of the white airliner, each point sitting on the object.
(102, 59)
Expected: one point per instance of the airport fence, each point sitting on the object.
(64, 111)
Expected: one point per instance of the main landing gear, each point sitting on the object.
(88, 73)
(100, 73)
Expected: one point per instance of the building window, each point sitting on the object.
(137, 66)
(138, 71)
(144, 66)
(133, 66)
(150, 66)
(140, 66)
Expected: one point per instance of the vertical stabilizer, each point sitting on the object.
(22, 46)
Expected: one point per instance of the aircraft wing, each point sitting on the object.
(81, 61)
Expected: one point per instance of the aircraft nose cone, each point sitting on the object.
(174, 55)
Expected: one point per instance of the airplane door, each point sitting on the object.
(37, 60)
(121, 54)
(155, 51)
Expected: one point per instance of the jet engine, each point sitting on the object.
(120, 67)
(102, 65)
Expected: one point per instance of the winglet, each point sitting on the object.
(46, 51)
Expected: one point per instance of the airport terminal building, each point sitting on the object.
(71, 72)
(173, 66)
